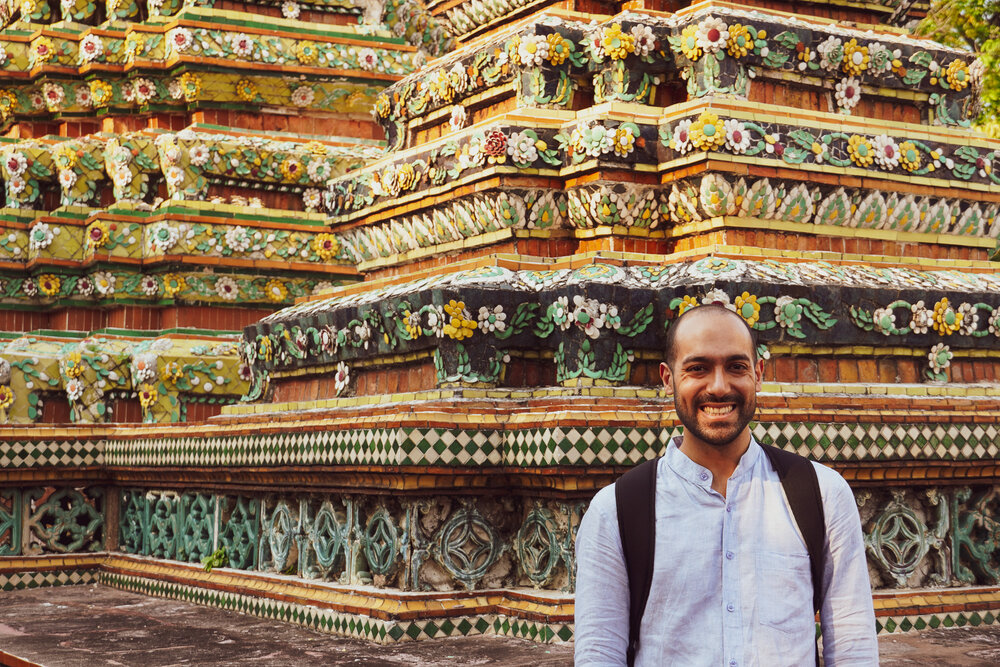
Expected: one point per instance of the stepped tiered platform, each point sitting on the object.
(340, 315)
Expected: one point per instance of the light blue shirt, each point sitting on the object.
(731, 582)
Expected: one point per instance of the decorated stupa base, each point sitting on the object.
(363, 372)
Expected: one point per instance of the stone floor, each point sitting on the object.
(87, 626)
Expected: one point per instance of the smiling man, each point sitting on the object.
(731, 583)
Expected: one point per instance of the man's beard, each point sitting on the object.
(721, 436)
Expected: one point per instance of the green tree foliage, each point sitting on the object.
(973, 25)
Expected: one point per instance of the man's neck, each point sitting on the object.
(721, 460)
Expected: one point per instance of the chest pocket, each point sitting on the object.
(784, 592)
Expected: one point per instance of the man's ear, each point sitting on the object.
(759, 372)
(665, 377)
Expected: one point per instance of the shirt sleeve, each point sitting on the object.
(847, 617)
(602, 598)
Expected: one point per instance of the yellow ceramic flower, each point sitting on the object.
(172, 372)
(707, 132)
(134, 45)
(739, 42)
(748, 308)
(265, 349)
(689, 42)
(909, 156)
(43, 50)
(291, 169)
(946, 319)
(246, 90)
(624, 141)
(406, 176)
(326, 246)
(617, 44)
(306, 52)
(49, 284)
(957, 75)
(147, 395)
(190, 85)
(861, 151)
(383, 106)
(73, 365)
(559, 48)
(316, 148)
(6, 397)
(100, 92)
(65, 156)
(173, 284)
(276, 291)
(412, 325)
(8, 101)
(97, 234)
(687, 302)
(855, 58)
(458, 325)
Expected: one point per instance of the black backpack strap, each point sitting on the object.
(635, 496)
(798, 479)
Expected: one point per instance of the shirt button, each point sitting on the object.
(703, 476)
(730, 555)
(731, 607)
(729, 509)
(732, 663)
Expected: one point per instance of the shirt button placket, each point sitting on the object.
(730, 582)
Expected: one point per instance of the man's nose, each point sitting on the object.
(718, 381)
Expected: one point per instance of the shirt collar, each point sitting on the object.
(702, 476)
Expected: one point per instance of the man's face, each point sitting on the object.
(714, 379)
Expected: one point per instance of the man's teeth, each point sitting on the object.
(717, 411)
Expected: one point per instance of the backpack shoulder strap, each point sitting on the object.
(798, 479)
(635, 495)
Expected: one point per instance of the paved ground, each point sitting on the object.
(88, 626)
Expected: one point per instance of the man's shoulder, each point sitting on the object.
(603, 504)
(832, 485)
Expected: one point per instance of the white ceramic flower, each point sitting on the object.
(848, 93)
(174, 176)
(533, 50)
(459, 118)
(313, 199)
(303, 96)
(241, 44)
(492, 319)
(940, 357)
(91, 48)
(16, 163)
(227, 288)
(681, 141)
(712, 34)
(83, 97)
(645, 42)
(886, 151)
(74, 389)
(342, 378)
(198, 155)
(149, 285)
(145, 90)
(104, 282)
(41, 236)
(368, 59)
(53, 94)
(831, 52)
(67, 178)
(180, 39)
(737, 136)
(521, 148)
(239, 239)
(290, 9)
